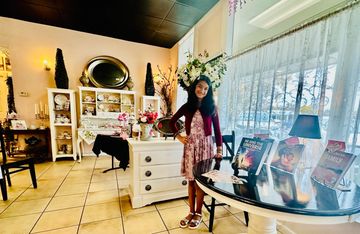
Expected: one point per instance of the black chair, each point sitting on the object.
(3, 186)
(12, 165)
(229, 142)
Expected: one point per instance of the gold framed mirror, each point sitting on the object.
(107, 72)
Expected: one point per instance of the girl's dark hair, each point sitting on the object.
(207, 105)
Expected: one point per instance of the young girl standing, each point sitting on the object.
(200, 115)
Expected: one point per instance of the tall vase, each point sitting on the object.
(149, 82)
(145, 131)
(61, 77)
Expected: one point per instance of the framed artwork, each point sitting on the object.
(18, 124)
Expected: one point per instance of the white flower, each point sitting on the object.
(195, 67)
(143, 119)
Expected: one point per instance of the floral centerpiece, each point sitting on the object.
(148, 116)
(123, 117)
(146, 120)
(196, 66)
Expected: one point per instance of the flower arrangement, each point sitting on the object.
(165, 85)
(123, 117)
(214, 69)
(148, 116)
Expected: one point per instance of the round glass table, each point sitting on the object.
(274, 194)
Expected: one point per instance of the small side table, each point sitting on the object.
(43, 133)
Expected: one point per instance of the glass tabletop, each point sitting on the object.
(277, 190)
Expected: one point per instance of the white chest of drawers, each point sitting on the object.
(155, 171)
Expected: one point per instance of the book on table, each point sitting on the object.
(251, 154)
(334, 145)
(287, 155)
(270, 143)
(332, 167)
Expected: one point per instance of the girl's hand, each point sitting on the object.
(218, 156)
(182, 139)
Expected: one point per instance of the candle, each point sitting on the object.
(46, 109)
(41, 107)
(36, 109)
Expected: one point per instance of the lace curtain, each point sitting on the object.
(313, 70)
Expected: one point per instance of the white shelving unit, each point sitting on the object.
(153, 101)
(105, 103)
(62, 115)
(99, 110)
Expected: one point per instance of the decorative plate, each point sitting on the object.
(162, 125)
(100, 97)
(60, 99)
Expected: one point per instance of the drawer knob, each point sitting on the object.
(184, 182)
(148, 187)
(148, 159)
(148, 173)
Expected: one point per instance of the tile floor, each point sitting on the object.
(78, 198)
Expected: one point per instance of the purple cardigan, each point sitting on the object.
(214, 119)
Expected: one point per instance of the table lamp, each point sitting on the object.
(306, 126)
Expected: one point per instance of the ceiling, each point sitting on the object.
(154, 22)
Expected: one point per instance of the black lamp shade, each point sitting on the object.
(306, 126)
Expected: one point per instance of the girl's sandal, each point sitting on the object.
(195, 223)
(185, 222)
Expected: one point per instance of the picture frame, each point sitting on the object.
(18, 124)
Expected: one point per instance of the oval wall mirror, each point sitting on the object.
(107, 72)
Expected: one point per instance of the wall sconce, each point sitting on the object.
(46, 65)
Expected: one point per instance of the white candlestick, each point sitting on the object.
(36, 109)
(41, 107)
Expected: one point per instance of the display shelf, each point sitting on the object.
(105, 103)
(62, 115)
(99, 112)
(152, 102)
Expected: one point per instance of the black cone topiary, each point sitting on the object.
(61, 77)
(10, 97)
(149, 82)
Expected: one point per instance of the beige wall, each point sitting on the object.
(210, 31)
(29, 44)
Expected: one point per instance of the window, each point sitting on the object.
(313, 70)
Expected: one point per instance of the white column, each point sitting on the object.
(261, 225)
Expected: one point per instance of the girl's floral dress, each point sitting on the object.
(197, 148)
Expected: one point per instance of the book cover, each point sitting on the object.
(332, 167)
(287, 155)
(251, 153)
(270, 143)
(334, 145)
